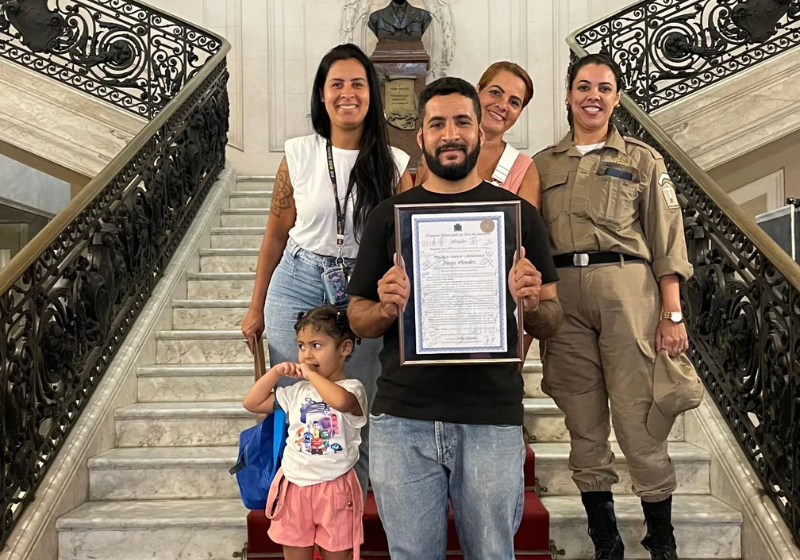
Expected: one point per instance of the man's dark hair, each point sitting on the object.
(449, 86)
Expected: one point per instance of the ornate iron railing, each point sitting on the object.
(70, 296)
(121, 51)
(671, 48)
(742, 309)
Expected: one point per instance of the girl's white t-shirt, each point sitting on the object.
(315, 227)
(323, 443)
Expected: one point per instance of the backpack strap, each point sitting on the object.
(279, 437)
(505, 164)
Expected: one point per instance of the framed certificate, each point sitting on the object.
(458, 258)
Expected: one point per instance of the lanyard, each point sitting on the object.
(340, 215)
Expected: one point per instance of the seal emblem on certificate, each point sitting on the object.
(458, 258)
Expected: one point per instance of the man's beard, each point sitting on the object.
(452, 172)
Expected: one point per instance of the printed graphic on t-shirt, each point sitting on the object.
(320, 427)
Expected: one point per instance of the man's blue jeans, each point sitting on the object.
(416, 465)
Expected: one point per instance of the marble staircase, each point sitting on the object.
(164, 492)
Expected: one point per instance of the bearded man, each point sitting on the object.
(448, 432)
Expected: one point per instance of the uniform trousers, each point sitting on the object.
(603, 354)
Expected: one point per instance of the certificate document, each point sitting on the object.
(460, 282)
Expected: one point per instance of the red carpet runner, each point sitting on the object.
(531, 543)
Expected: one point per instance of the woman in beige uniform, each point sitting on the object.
(616, 232)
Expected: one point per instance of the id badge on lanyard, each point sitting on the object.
(335, 279)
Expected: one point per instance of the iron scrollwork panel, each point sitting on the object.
(742, 318)
(671, 48)
(68, 314)
(121, 51)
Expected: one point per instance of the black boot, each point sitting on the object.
(659, 542)
(603, 525)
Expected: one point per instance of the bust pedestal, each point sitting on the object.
(403, 66)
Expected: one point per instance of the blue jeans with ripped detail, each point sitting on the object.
(416, 465)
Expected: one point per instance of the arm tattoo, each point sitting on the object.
(544, 322)
(283, 192)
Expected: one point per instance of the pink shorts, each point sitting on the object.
(327, 514)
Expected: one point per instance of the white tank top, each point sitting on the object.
(315, 227)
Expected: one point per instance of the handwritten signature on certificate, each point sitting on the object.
(460, 282)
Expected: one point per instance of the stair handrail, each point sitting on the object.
(70, 296)
(124, 52)
(742, 306)
(669, 49)
(29, 253)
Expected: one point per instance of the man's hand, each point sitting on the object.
(394, 289)
(525, 282)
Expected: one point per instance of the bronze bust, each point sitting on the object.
(399, 21)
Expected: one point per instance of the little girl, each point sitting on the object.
(315, 497)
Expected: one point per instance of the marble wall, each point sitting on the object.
(777, 161)
(277, 45)
(29, 187)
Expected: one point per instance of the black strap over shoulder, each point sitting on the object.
(340, 214)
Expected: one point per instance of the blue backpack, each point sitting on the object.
(260, 454)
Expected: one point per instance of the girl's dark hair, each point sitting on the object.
(327, 319)
(600, 59)
(374, 174)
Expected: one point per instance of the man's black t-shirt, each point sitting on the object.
(463, 394)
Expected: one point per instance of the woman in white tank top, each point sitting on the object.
(302, 256)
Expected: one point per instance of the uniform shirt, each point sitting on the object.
(588, 210)
(323, 443)
(315, 226)
(462, 394)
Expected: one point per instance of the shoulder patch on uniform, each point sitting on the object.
(645, 145)
(668, 190)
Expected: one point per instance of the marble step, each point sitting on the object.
(208, 314)
(194, 383)
(181, 424)
(220, 285)
(202, 347)
(229, 260)
(244, 217)
(237, 237)
(532, 377)
(163, 473)
(213, 529)
(533, 352)
(704, 527)
(195, 472)
(250, 199)
(247, 183)
(153, 530)
(545, 422)
(692, 466)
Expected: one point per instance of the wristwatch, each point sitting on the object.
(674, 316)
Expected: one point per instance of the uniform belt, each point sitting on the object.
(586, 259)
